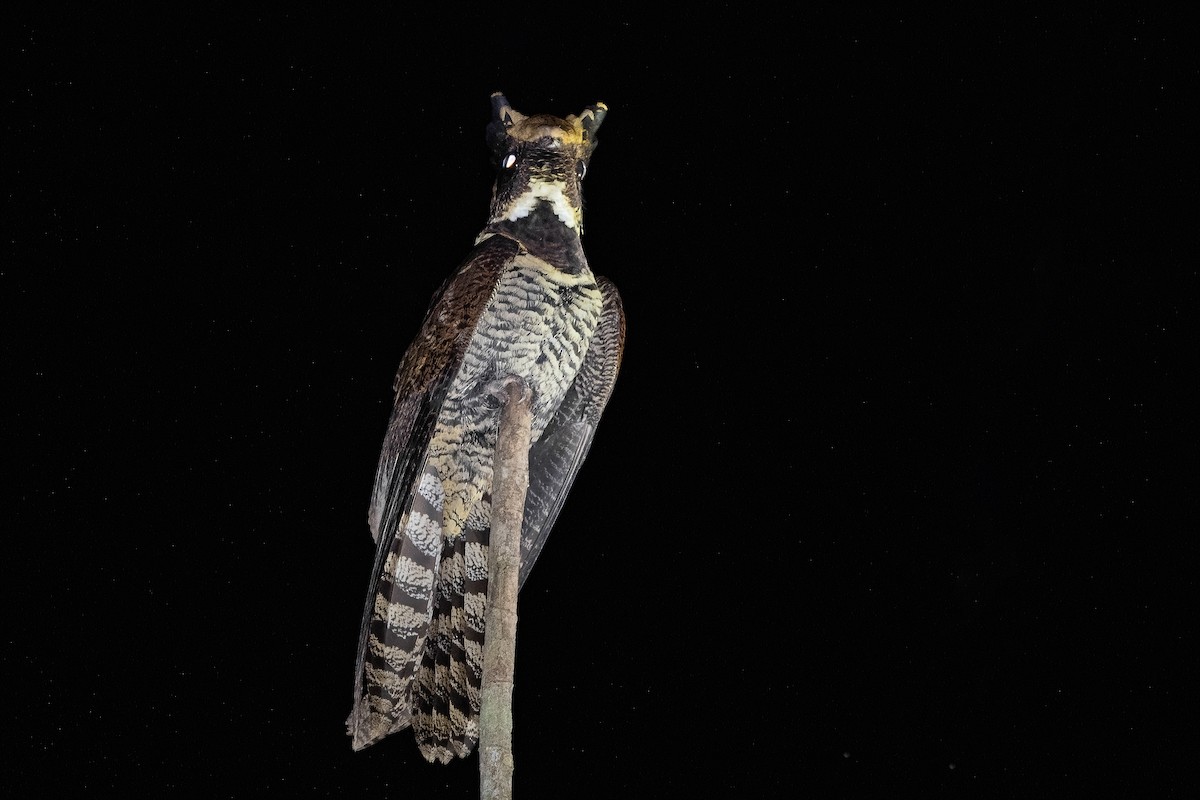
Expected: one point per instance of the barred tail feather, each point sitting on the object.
(475, 591)
(446, 693)
(394, 637)
(431, 711)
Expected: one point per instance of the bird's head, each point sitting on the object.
(540, 162)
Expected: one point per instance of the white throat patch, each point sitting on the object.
(550, 191)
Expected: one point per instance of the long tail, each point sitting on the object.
(394, 637)
(446, 691)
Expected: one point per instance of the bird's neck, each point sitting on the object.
(546, 225)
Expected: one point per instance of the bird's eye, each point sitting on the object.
(509, 161)
(581, 170)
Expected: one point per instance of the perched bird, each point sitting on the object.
(524, 302)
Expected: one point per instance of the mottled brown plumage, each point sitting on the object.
(523, 302)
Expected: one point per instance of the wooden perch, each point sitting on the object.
(509, 484)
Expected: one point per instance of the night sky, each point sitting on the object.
(896, 490)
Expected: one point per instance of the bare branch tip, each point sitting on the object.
(510, 387)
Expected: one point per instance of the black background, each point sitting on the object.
(895, 491)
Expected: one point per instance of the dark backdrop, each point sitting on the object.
(895, 492)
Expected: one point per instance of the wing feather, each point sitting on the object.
(555, 459)
(382, 675)
(425, 373)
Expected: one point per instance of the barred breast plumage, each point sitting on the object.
(538, 324)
